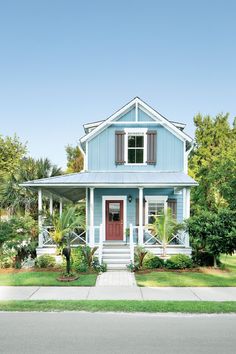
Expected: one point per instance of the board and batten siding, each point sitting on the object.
(131, 207)
(101, 151)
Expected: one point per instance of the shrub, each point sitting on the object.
(139, 256)
(151, 262)
(131, 267)
(179, 261)
(45, 261)
(19, 234)
(88, 254)
(7, 257)
(99, 267)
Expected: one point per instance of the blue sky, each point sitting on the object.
(65, 63)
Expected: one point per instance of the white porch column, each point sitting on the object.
(140, 229)
(91, 211)
(186, 211)
(51, 205)
(60, 207)
(40, 218)
(86, 214)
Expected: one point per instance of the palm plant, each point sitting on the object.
(164, 227)
(63, 226)
(19, 199)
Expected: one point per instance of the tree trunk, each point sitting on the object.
(215, 262)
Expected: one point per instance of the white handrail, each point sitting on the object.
(131, 241)
(100, 244)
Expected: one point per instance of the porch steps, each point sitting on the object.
(116, 255)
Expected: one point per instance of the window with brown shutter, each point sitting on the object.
(120, 148)
(151, 147)
(172, 204)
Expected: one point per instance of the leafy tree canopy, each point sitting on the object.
(11, 152)
(213, 163)
(75, 159)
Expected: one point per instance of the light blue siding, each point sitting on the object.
(131, 207)
(128, 117)
(144, 117)
(101, 151)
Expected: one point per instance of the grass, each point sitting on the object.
(121, 306)
(32, 278)
(203, 277)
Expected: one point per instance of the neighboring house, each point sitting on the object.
(136, 165)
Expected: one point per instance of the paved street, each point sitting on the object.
(116, 333)
(116, 292)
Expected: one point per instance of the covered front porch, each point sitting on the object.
(117, 212)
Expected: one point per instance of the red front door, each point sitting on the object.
(114, 220)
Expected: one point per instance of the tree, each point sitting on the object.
(19, 199)
(11, 152)
(75, 159)
(164, 227)
(63, 226)
(213, 163)
(212, 234)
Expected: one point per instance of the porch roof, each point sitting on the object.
(116, 179)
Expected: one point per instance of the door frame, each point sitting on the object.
(113, 198)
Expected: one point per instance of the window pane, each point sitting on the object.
(131, 141)
(139, 155)
(154, 209)
(139, 141)
(131, 156)
(114, 211)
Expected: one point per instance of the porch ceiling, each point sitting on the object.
(73, 194)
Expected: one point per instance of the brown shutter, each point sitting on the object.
(137, 212)
(172, 204)
(120, 148)
(151, 147)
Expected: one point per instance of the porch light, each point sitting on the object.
(130, 198)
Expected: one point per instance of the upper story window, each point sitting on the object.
(135, 148)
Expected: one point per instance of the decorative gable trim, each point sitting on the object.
(138, 103)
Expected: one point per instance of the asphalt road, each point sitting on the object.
(116, 333)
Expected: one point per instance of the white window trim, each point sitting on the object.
(129, 131)
(116, 197)
(155, 198)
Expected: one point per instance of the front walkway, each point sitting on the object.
(117, 293)
(113, 278)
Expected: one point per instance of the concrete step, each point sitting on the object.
(115, 250)
(117, 261)
(116, 256)
(116, 266)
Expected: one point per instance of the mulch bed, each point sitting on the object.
(67, 279)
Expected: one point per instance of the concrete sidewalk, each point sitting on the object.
(117, 293)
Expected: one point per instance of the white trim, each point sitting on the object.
(112, 197)
(184, 203)
(51, 204)
(91, 217)
(155, 198)
(187, 211)
(129, 131)
(140, 211)
(118, 185)
(86, 157)
(142, 105)
(60, 207)
(136, 111)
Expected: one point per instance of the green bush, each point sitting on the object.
(19, 234)
(7, 257)
(99, 267)
(151, 262)
(45, 261)
(139, 254)
(179, 261)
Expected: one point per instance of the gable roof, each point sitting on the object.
(174, 127)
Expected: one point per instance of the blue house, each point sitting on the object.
(135, 166)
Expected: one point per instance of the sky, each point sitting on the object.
(64, 63)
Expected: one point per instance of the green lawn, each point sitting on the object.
(207, 277)
(121, 306)
(44, 279)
